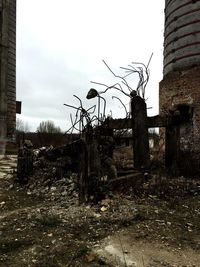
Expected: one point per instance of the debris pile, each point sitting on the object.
(47, 182)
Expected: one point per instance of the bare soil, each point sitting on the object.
(157, 226)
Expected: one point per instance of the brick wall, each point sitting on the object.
(8, 66)
(182, 87)
(11, 75)
(182, 35)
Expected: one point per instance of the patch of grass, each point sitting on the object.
(49, 221)
(47, 263)
(139, 217)
(102, 262)
(125, 222)
(7, 246)
(82, 251)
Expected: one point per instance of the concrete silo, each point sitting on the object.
(7, 69)
(180, 87)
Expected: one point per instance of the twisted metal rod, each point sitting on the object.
(110, 87)
(118, 76)
(122, 104)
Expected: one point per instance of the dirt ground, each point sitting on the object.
(46, 227)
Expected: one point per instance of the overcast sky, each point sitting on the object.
(61, 45)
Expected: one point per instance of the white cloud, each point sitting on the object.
(60, 45)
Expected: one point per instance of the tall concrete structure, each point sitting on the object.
(180, 87)
(7, 69)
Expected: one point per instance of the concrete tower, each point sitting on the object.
(7, 69)
(180, 87)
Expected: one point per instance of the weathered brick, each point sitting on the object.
(182, 87)
(8, 64)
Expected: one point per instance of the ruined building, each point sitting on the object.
(7, 69)
(180, 87)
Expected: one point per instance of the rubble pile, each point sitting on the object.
(46, 183)
(54, 174)
(168, 187)
(50, 179)
(43, 182)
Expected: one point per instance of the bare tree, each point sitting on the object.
(22, 126)
(48, 127)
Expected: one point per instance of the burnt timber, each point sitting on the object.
(152, 122)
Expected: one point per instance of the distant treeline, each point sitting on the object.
(46, 139)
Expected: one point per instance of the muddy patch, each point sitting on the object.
(122, 249)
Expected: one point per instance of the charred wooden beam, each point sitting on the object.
(118, 124)
(134, 180)
(152, 122)
(163, 121)
(140, 133)
(172, 149)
